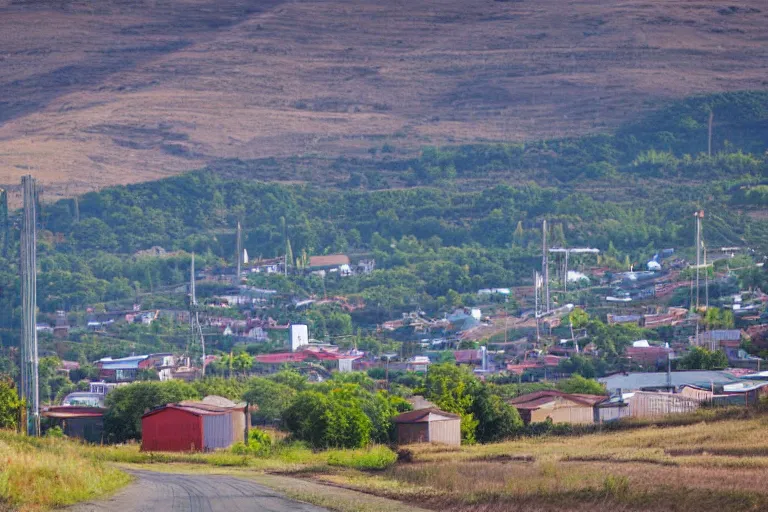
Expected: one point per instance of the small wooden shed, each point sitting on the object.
(429, 425)
(559, 407)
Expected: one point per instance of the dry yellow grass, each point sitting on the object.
(38, 474)
(707, 467)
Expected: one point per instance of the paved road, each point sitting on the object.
(195, 493)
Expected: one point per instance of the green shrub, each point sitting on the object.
(55, 432)
(259, 444)
(375, 458)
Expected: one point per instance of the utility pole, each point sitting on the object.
(565, 273)
(196, 332)
(30, 387)
(545, 265)
(239, 254)
(709, 135)
(536, 285)
(699, 215)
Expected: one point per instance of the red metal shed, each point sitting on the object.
(178, 428)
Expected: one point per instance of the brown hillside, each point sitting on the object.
(116, 91)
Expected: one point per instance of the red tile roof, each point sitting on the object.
(298, 357)
(422, 416)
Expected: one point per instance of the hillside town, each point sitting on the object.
(651, 357)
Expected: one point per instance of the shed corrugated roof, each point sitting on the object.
(423, 415)
(71, 412)
(539, 398)
(198, 410)
(126, 363)
(635, 381)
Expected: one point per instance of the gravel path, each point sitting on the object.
(194, 493)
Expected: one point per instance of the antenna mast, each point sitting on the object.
(699, 215)
(545, 264)
(30, 389)
(196, 331)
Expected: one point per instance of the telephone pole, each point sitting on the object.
(196, 332)
(545, 266)
(239, 254)
(699, 215)
(30, 388)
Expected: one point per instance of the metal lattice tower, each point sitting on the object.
(196, 332)
(30, 389)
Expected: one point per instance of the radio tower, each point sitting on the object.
(30, 389)
(699, 215)
(196, 332)
(545, 266)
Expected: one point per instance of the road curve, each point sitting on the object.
(194, 493)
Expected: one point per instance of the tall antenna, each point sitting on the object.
(699, 215)
(239, 254)
(536, 286)
(30, 389)
(545, 265)
(196, 332)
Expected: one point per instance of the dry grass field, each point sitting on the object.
(718, 466)
(98, 93)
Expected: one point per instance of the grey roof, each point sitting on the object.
(721, 335)
(125, 363)
(635, 381)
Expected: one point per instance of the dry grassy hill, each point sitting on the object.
(116, 91)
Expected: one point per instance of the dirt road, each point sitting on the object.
(195, 493)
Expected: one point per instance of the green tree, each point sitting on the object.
(578, 318)
(10, 404)
(496, 419)
(699, 358)
(290, 378)
(242, 363)
(327, 422)
(451, 388)
(272, 398)
(581, 385)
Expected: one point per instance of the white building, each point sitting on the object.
(299, 335)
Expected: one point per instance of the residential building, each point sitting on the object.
(718, 339)
(125, 369)
(417, 364)
(328, 262)
(649, 355)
